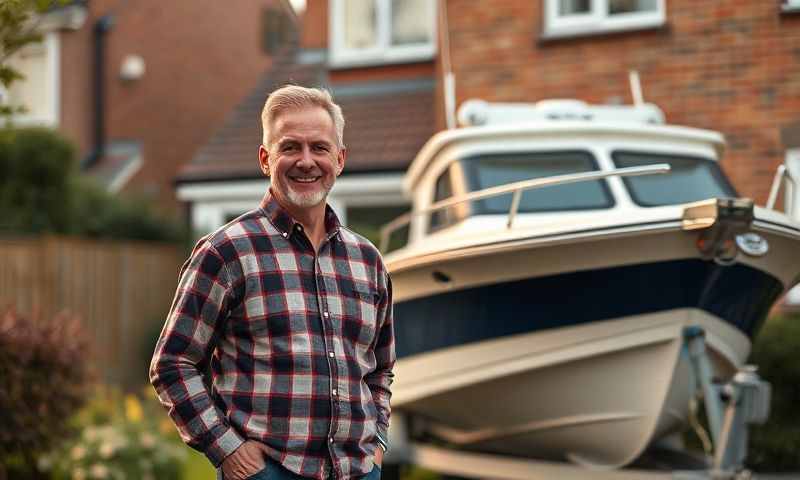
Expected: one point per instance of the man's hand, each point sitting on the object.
(378, 460)
(245, 462)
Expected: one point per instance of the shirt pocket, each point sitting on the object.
(359, 319)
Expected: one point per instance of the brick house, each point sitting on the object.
(383, 76)
(728, 66)
(168, 73)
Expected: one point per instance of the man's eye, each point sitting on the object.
(288, 147)
(321, 147)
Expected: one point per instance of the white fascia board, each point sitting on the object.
(368, 183)
(223, 190)
(354, 190)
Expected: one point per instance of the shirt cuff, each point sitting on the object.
(225, 444)
(382, 443)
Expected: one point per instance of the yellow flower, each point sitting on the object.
(133, 409)
(165, 426)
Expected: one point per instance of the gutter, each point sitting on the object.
(99, 35)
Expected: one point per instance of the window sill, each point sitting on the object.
(29, 121)
(595, 32)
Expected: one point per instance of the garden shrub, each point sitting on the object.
(35, 170)
(42, 191)
(774, 446)
(122, 437)
(43, 381)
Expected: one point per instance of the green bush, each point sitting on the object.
(774, 446)
(43, 380)
(36, 167)
(41, 191)
(96, 213)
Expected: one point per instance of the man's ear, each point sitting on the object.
(263, 159)
(340, 159)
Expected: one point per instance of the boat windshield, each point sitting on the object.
(490, 170)
(690, 179)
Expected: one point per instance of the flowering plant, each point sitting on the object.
(121, 438)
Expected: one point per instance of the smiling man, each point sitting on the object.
(293, 314)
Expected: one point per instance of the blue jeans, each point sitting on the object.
(274, 471)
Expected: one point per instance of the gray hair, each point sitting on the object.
(292, 97)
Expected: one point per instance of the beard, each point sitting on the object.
(307, 200)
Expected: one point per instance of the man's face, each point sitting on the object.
(303, 159)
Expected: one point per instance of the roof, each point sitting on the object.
(121, 161)
(387, 122)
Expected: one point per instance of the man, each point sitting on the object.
(293, 314)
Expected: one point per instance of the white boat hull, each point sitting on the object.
(595, 391)
(595, 394)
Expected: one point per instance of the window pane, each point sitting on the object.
(572, 7)
(486, 171)
(360, 24)
(631, 6)
(35, 92)
(441, 218)
(368, 222)
(690, 180)
(411, 22)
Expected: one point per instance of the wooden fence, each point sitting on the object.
(121, 291)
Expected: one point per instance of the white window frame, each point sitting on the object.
(597, 21)
(790, 5)
(383, 52)
(52, 47)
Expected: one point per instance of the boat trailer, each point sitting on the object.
(729, 407)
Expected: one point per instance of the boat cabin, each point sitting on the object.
(457, 180)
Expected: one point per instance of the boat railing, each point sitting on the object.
(516, 189)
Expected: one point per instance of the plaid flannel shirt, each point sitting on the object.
(300, 346)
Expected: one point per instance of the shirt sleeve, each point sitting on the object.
(380, 380)
(187, 339)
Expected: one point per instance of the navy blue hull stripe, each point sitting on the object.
(738, 294)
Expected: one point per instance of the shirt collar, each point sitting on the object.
(286, 224)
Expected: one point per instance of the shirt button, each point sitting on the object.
(325, 314)
(330, 354)
(330, 440)
(285, 235)
(335, 392)
(299, 227)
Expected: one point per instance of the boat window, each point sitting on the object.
(443, 190)
(691, 179)
(490, 170)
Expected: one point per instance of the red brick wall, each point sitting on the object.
(76, 89)
(731, 66)
(314, 32)
(202, 57)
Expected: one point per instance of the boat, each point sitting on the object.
(554, 256)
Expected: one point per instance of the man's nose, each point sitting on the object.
(306, 161)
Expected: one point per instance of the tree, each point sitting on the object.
(19, 22)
